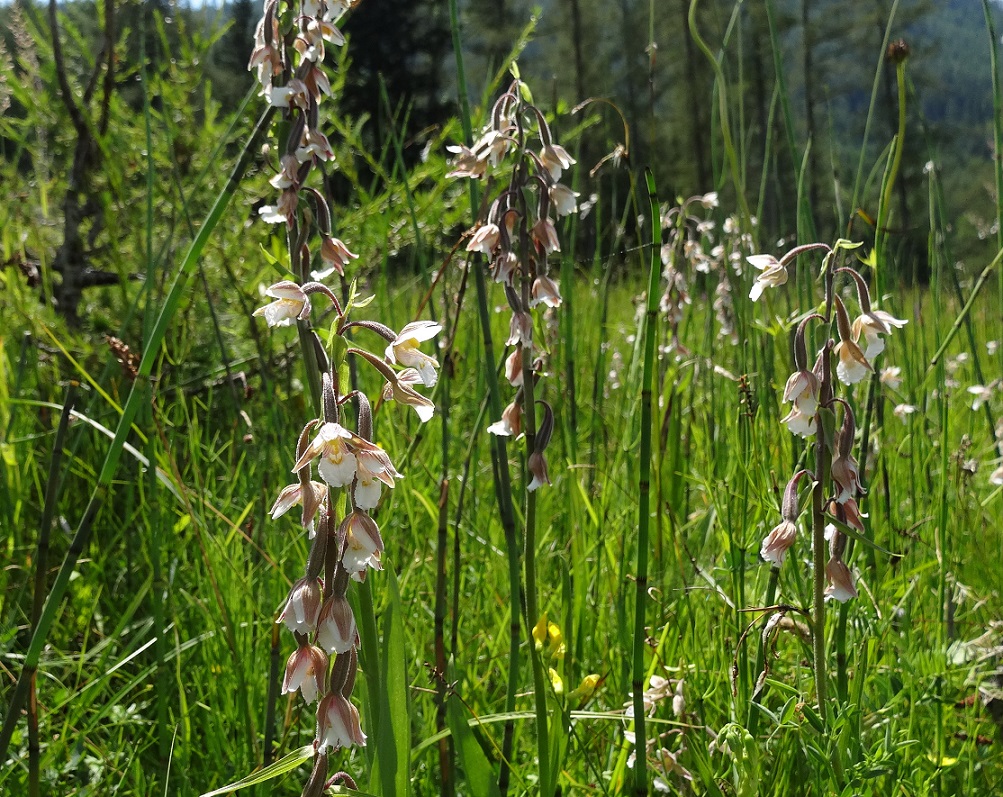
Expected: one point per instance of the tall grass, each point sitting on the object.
(153, 668)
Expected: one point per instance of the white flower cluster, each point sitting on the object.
(695, 243)
(808, 391)
(293, 78)
(288, 62)
(517, 236)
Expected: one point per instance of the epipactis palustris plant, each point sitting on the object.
(811, 391)
(517, 233)
(522, 164)
(694, 244)
(335, 509)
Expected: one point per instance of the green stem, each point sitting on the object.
(771, 595)
(884, 207)
(41, 568)
(722, 94)
(499, 449)
(644, 491)
(997, 161)
(818, 574)
(858, 180)
(529, 551)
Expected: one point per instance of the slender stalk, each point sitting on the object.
(884, 207)
(998, 160)
(771, 595)
(529, 546)
(823, 461)
(722, 95)
(644, 491)
(819, 558)
(272, 698)
(858, 180)
(447, 785)
(499, 452)
(41, 568)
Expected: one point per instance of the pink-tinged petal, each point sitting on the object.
(777, 542)
(302, 606)
(841, 587)
(338, 724)
(306, 670)
(336, 629)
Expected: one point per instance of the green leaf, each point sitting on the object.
(480, 774)
(392, 767)
(285, 764)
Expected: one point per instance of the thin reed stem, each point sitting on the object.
(752, 723)
(722, 95)
(644, 492)
(41, 571)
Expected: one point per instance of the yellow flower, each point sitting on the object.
(586, 690)
(540, 632)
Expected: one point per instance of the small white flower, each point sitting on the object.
(891, 377)
(513, 367)
(302, 606)
(872, 326)
(853, 366)
(306, 670)
(288, 174)
(510, 424)
(363, 543)
(537, 466)
(338, 724)
(982, 395)
(290, 304)
(468, 163)
(799, 423)
(772, 274)
(846, 475)
(400, 390)
(336, 629)
(996, 477)
(563, 199)
(485, 239)
(374, 468)
(309, 496)
(802, 390)
(841, 587)
(545, 235)
(555, 159)
(545, 291)
(776, 543)
(404, 350)
(271, 214)
(334, 445)
(314, 144)
(903, 411)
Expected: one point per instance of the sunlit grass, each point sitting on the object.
(183, 536)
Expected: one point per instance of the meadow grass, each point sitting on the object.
(160, 672)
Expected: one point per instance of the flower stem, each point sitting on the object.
(644, 498)
(752, 724)
(499, 454)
